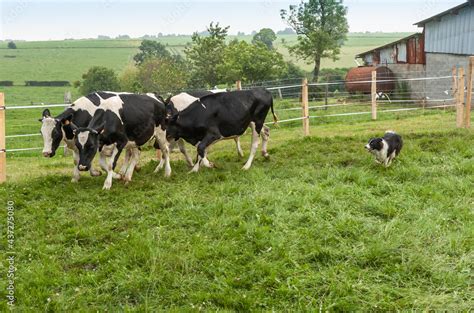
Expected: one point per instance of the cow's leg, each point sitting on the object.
(253, 149)
(205, 162)
(76, 175)
(182, 148)
(109, 164)
(202, 152)
(94, 172)
(265, 133)
(135, 157)
(239, 148)
(107, 152)
(161, 138)
(126, 162)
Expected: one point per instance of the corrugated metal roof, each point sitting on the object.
(453, 11)
(452, 34)
(361, 55)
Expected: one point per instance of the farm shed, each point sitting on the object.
(447, 40)
(404, 57)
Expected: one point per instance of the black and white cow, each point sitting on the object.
(182, 100)
(59, 128)
(211, 118)
(126, 121)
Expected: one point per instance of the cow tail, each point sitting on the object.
(275, 118)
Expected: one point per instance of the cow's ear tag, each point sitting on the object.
(66, 122)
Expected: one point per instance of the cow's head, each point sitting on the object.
(171, 120)
(87, 142)
(51, 130)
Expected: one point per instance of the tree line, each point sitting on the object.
(211, 59)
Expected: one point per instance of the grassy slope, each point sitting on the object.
(320, 226)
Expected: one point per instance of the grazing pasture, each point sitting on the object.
(319, 226)
(69, 59)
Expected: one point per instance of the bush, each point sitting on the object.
(40, 83)
(129, 80)
(163, 75)
(6, 83)
(98, 78)
(11, 45)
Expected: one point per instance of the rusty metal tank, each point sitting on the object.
(363, 75)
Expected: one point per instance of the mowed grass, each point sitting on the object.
(319, 226)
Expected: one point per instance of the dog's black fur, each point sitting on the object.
(386, 148)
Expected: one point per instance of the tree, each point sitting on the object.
(321, 26)
(11, 45)
(293, 71)
(98, 78)
(250, 63)
(206, 53)
(162, 75)
(286, 31)
(150, 48)
(266, 36)
(129, 80)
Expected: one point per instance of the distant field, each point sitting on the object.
(69, 59)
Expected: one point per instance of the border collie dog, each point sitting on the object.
(385, 149)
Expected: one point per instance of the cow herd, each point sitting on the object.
(110, 122)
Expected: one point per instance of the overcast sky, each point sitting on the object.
(43, 20)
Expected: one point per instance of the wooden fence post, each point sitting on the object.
(374, 95)
(467, 120)
(3, 152)
(454, 88)
(238, 85)
(460, 99)
(305, 107)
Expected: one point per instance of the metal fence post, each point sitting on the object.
(3, 151)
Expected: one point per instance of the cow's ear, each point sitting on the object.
(67, 120)
(99, 129)
(168, 100)
(46, 113)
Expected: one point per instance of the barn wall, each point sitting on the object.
(441, 64)
(404, 71)
(453, 34)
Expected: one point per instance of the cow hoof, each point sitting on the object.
(246, 168)
(117, 176)
(106, 187)
(265, 155)
(137, 168)
(96, 173)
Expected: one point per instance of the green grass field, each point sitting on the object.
(319, 226)
(69, 59)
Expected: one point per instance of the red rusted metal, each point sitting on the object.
(364, 75)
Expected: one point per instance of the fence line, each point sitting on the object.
(304, 95)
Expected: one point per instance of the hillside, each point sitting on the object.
(68, 59)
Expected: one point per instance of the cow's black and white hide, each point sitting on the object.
(59, 128)
(126, 121)
(204, 121)
(385, 149)
(186, 98)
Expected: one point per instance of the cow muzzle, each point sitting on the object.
(47, 154)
